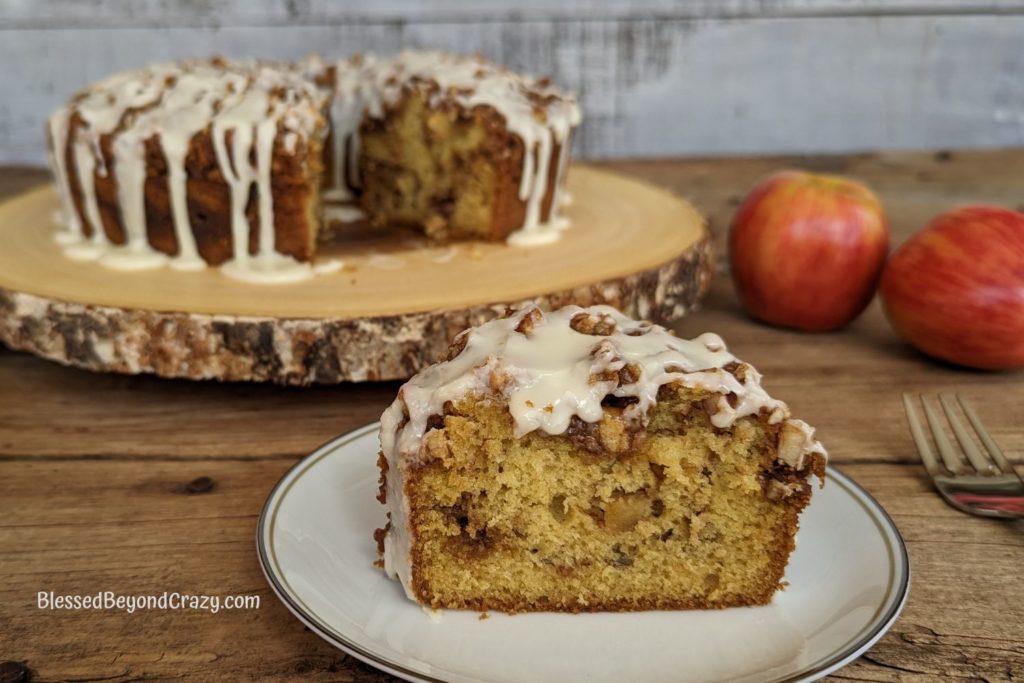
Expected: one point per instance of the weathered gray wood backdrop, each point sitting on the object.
(656, 77)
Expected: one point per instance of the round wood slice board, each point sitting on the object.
(390, 311)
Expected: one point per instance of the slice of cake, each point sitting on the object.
(583, 461)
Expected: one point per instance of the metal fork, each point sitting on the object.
(985, 483)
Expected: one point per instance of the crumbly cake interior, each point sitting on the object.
(428, 167)
(579, 460)
(600, 519)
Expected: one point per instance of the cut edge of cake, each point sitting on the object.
(656, 445)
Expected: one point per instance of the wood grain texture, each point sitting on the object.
(364, 322)
(95, 473)
(82, 526)
(71, 14)
(655, 77)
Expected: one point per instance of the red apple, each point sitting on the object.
(955, 290)
(807, 250)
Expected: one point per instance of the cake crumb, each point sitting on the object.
(483, 616)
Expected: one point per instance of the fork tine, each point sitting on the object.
(923, 447)
(953, 462)
(990, 445)
(979, 461)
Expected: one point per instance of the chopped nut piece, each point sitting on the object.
(604, 376)
(605, 350)
(738, 370)
(458, 345)
(529, 321)
(599, 325)
(630, 373)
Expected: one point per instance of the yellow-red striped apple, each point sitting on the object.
(955, 290)
(807, 250)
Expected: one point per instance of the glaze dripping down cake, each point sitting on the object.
(583, 461)
(246, 165)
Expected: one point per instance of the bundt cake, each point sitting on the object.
(583, 461)
(247, 165)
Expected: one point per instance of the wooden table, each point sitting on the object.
(141, 485)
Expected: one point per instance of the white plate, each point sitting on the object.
(849, 579)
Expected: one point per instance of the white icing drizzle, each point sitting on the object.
(103, 109)
(279, 269)
(347, 107)
(192, 102)
(561, 198)
(58, 126)
(385, 262)
(343, 213)
(252, 122)
(547, 373)
(130, 169)
(76, 246)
